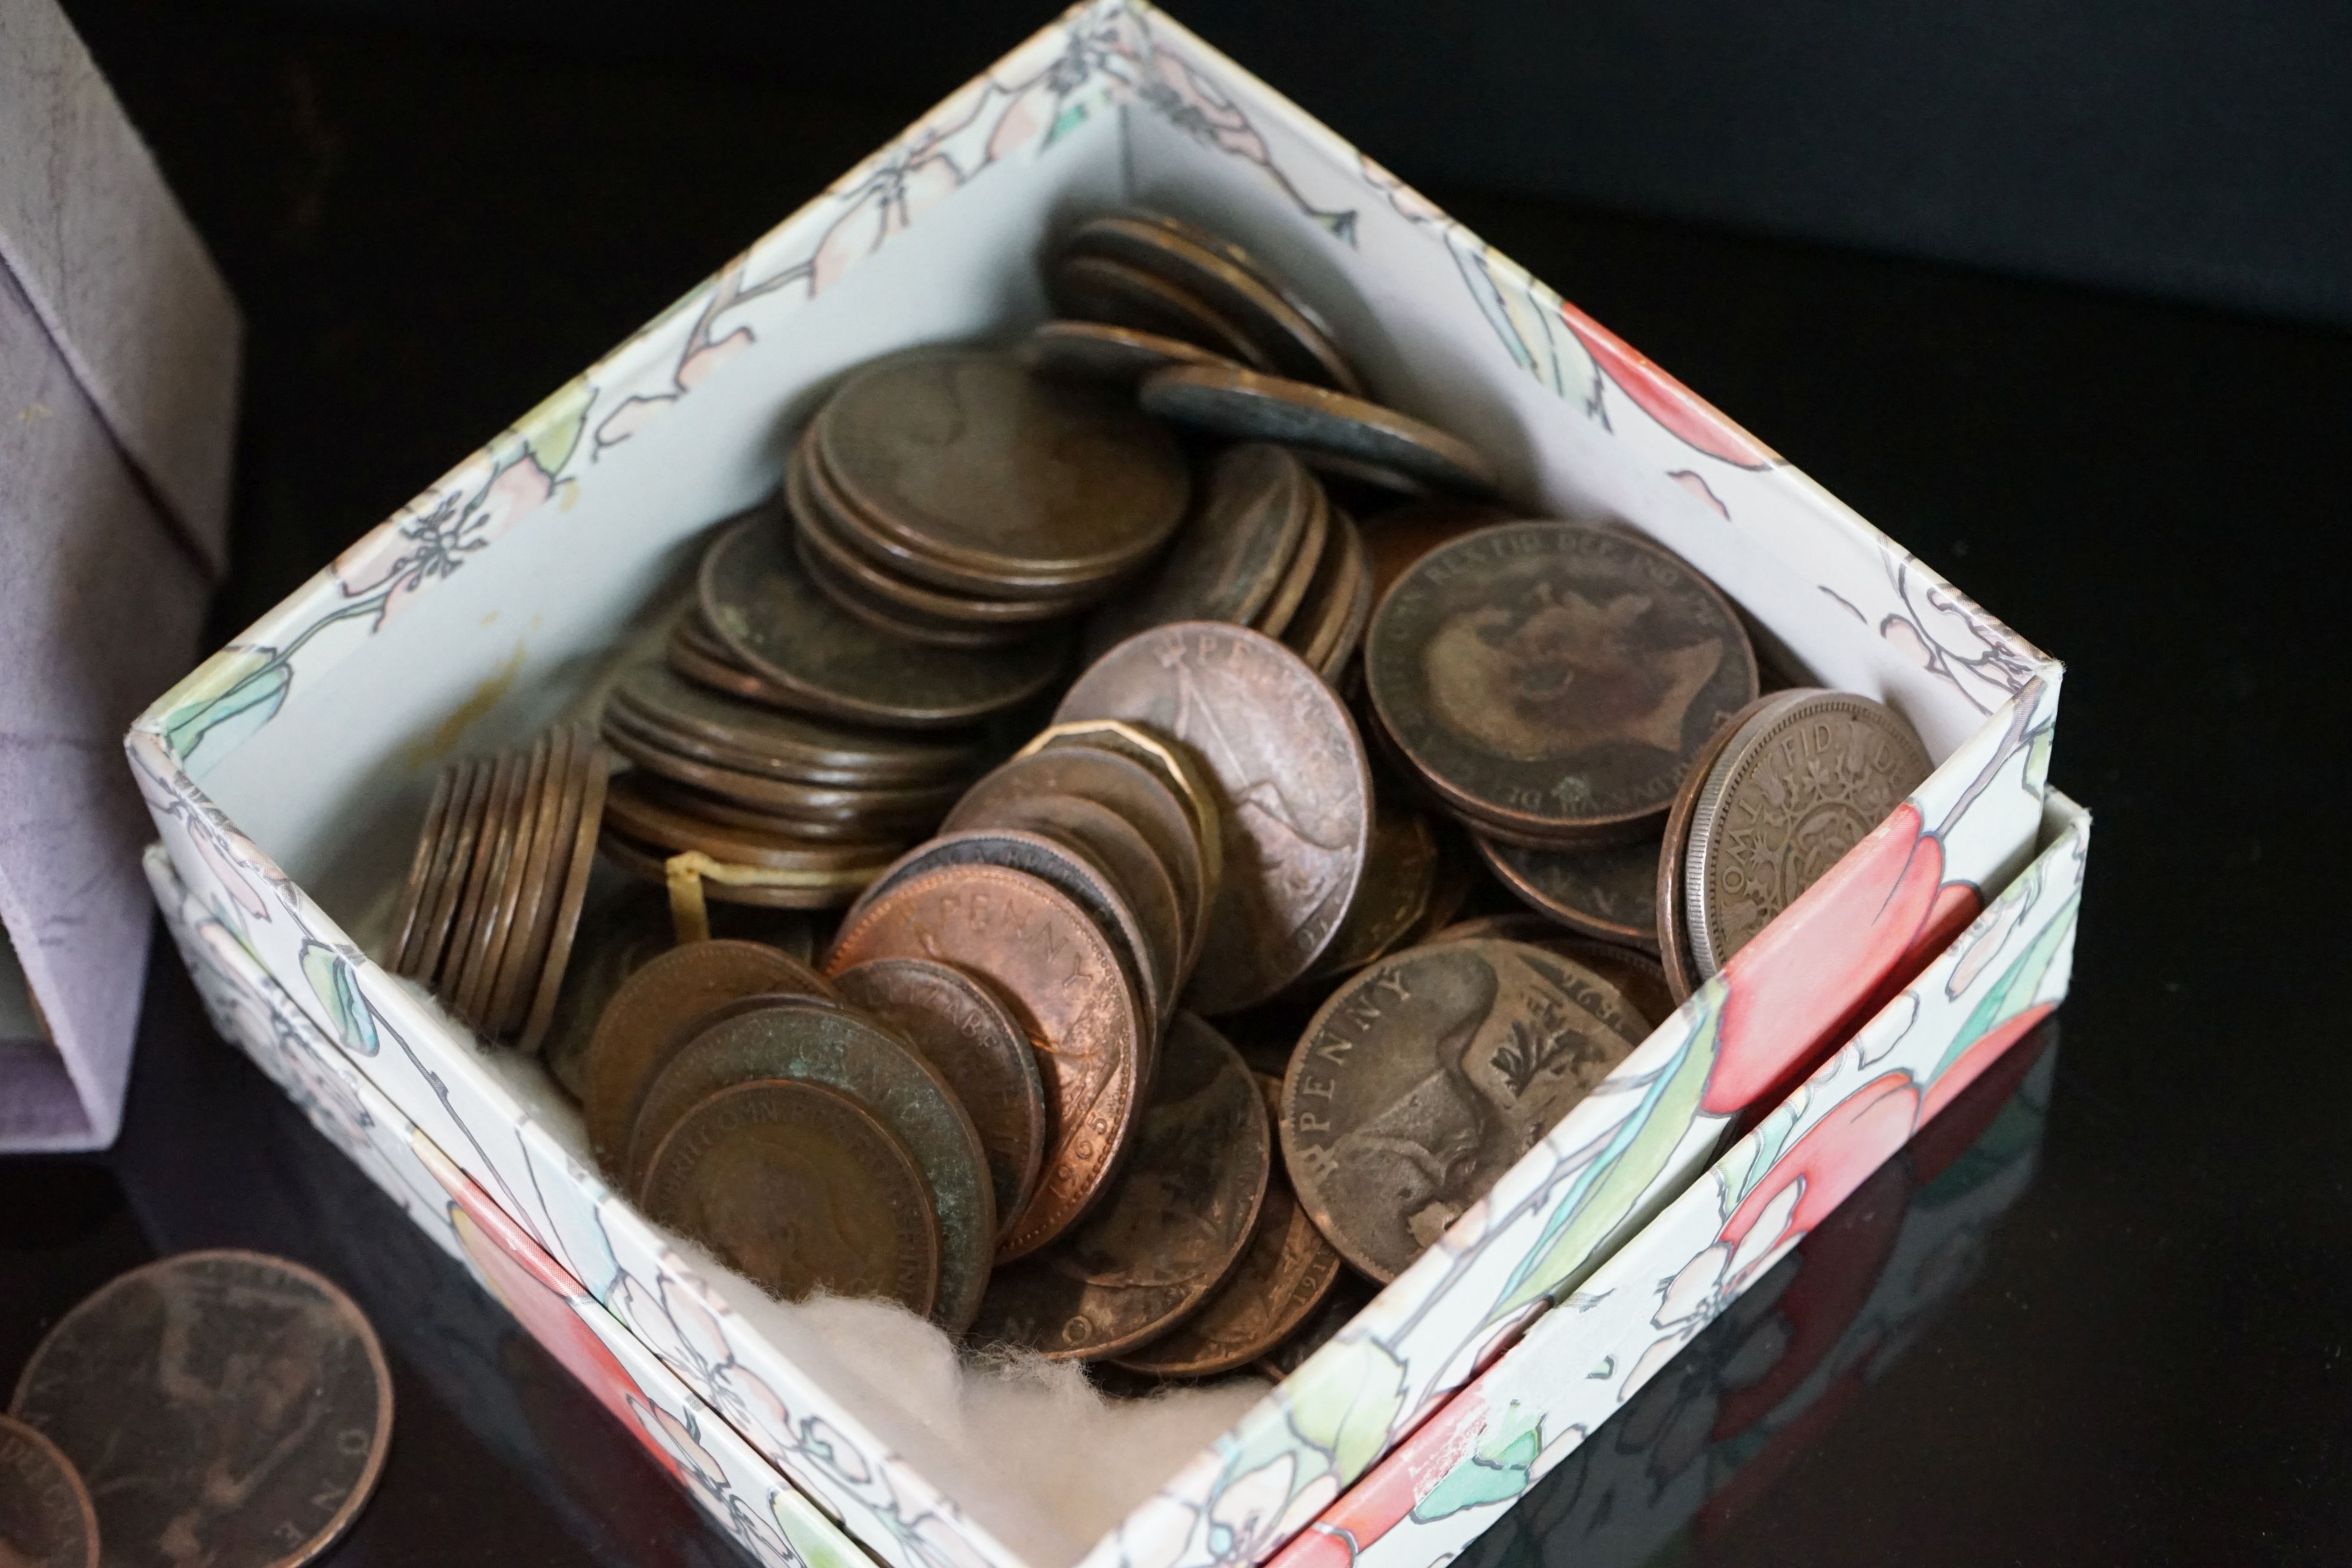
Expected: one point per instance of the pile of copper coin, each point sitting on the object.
(1230, 886)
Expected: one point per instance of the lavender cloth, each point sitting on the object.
(118, 378)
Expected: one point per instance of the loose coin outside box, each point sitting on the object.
(45, 1519)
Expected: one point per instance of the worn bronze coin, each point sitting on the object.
(783, 628)
(801, 1190)
(1172, 1228)
(1110, 841)
(583, 809)
(965, 1030)
(1141, 797)
(1064, 865)
(658, 735)
(1333, 607)
(1294, 791)
(507, 775)
(45, 1520)
(1061, 977)
(534, 948)
(452, 861)
(1401, 535)
(809, 1041)
(708, 662)
(653, 1012)
(503, 893)
(1287, 1270)
(1243, 406)
(1247, 525)
(891, 806)
(1801, 782)
(652, 819)
(1430, 1074)
(1400, 874)
(801, 890)
(1377, 482)
(1552, 680)
(1281, 607)
(1020, 480)
(702, 806)
(1115, 356)
(627, 926)
(1637, 976)
(413, 892)
(758, 739)
(1610, 891)
(1101, 289)
(1169, 760)
(1346, 1302)
(852, 592)
(1287, 340)
(538, 878)
(220, 1407)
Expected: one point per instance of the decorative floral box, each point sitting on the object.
(288, 773)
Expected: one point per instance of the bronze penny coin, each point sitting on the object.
(1219, 245)
(700, 806)
(1637, 976)
(452, 859)
(1350, 1297)
(720, 670)
(1069, 870)
(1141, 797)
(1098, 351)
(583, 809)
(758, 739)
(1801, 782)
(846, 590)
(503, 893)
(1232, 554)
(800, 1190)
(1611, 892)
(1294, 791)
(1167, 759)
(45, 1520)
(1171, 1230)
(969, 459)
(1281, 607)
(627, 926)
(1111, 842)
(1287, 1270)
(1674, 931)
(1552, 680)
(1100, 288)
(1243, 406)
(1400, 874)
(220, 1407)
(652, 1014)
(783, 628)
(891, 805)
(652, 820)
(1061, 977)
(807, 1041)
(1374, 479)
(1401, 535)
(537, 881)
(1431, 1073)
(1287, 339)
(1329, 607)
(507, 775)
(413, 892)
(656, 736)
(1339, 662)
(964, 1029)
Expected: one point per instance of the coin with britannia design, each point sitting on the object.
(220, 1407)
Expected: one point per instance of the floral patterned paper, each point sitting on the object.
(1620, 1159)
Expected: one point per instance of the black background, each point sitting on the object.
(430, 227)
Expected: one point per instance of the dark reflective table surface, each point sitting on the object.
(2133, 1339)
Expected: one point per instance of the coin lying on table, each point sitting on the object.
(46, 1521)
(1801, 781)
(1294, 791)
(1610, 891)
(1551, 681)
(1243, 406)
(807, 1041)
(220, 1406)
(800, 1190)
(1062, 979)
(1171, 1229)
(964, 1029)
(1427, 1075)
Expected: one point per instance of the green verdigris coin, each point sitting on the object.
(762, 606)
(811, 1042)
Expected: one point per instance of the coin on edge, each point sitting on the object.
(1430, 1074)
(964, 1029)
(1243, 406)
(1229, 556)
(1294, 791)
(46, 1521)
(1172, 1228)
(1553, 680)
(800, 1189)
(171, 1379)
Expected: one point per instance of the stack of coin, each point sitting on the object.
(492, 901)
(956, 498)
(1264, 548)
